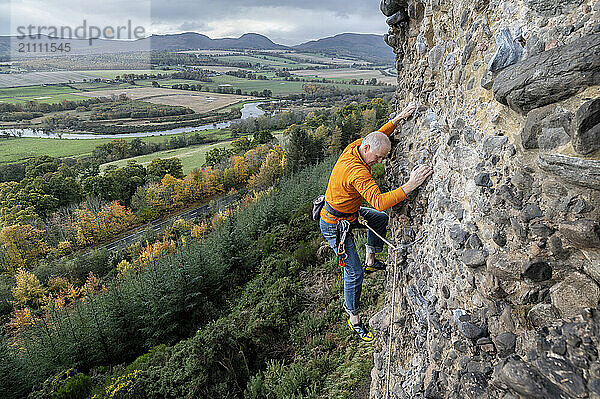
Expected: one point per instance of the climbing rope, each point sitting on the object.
(395, 249)
(389, 365)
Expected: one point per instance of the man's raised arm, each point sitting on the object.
(389, 127)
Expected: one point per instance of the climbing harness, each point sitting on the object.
(342, 230)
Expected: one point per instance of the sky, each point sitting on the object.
(283, 21)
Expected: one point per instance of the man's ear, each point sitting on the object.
(366, 148)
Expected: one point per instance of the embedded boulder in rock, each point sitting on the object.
(541, 119)
(508, 51)
(400, 16)
(575, 293)
(551, 7)
(542, 314)
(582, 172)
(503, 268)
(537, 270)
(551, 76)
(525, 379)
(552, 138)
(390, 7)
(583, 233)
(586, 138)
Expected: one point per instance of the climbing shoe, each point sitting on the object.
(377, 265)
(362, 331)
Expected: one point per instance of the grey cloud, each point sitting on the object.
(293, 21)
(207, 9)
(191, 26)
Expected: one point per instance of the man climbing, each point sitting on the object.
(349, 183)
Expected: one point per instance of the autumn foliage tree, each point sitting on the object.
(24, 244)
(160, 167)
(270, 171)
(93, 227)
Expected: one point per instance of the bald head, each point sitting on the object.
(377, 141)
(374, 147)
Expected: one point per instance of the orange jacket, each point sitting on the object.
(351, 181)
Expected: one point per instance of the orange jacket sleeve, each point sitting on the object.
(388, 128)
(362, 181)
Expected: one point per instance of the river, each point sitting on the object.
(249, 110)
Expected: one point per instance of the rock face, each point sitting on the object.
(500, 299)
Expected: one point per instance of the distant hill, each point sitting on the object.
(365, 46)
(192, 40)
(180, 41)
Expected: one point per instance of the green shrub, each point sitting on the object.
(280, 381)
(6, 283)
(65, 385)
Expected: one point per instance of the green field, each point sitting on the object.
(19, 149)
(90, 86)
(276, 86)
(168, 82)
(40, 93)
(271, 61)
(191, 157)
(111, 74)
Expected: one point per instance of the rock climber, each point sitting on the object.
(349, 183)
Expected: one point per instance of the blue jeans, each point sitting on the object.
(353, 269)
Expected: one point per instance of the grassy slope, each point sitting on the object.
(18, 149)
(191, 157)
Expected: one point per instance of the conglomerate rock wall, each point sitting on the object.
(498, 297)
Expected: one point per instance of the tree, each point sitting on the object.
(211, 181)
(28, 291)
(160, 167)
(302, 149)
(24, 244)
(216, 155)
(240, 145)
(124, 181)
(158, 198)
(110, 220)
(175, 189)
(262, 137)
(270, 171)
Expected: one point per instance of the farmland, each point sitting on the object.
(346, 74)
(277, 86)
(40, 93)
(19, 149)
(323, 59)
(267, 60)
(200, 102)
(204, 86)
(191, 157)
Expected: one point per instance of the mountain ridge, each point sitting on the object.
(366, 46)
